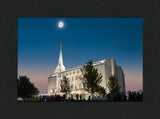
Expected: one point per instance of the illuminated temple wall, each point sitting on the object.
(106, 67)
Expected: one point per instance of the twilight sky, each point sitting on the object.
(82, 39)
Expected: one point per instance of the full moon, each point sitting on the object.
(60, 24)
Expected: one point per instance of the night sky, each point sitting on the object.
(82, 39)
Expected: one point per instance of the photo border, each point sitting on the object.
(10, 108)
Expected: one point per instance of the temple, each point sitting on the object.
(106, 67)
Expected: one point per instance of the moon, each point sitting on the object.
(60, 24)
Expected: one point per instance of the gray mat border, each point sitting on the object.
(10, 10)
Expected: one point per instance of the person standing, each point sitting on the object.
(77, 97)
(80, 97)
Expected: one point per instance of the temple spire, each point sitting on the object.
(60, 56)
(60, 67)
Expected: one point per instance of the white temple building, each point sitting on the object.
(106, 67)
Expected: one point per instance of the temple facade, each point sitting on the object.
(107, 68)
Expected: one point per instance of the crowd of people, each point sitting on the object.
(135, 96)
(132, 96)
(116, 97)
(58, 98)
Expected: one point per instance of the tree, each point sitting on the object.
(25, 89)
(91, 78)
(113, 85)
(101, 91)
(65, 85)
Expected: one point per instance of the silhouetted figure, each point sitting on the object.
(84, 100)
(80, 97)
(56, 97)
(64, 97)
(141, 97)
(124, 97)
(72, 100)
(71, 96)
(89, 98)
(77, 96)
(115, 97)
(109, 96)
(69, 99)
(40, 98)
(52, 98)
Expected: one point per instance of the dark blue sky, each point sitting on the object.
(82, 39)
